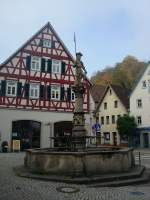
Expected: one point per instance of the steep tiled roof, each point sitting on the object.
(122, 94)
(139, 77)
(97, 92)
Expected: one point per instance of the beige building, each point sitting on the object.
(113, 104)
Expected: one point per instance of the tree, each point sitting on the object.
(126, 127)
(122, 74)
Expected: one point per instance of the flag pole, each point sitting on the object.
(75, 45)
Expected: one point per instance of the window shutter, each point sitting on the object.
(69, 94)
(28, 62)
(19, 87)
(26, 90)
(3, 88)
(48, 92)
(41, 42)
(43, 65)
(63, 67)
(42, 91)
(62, 93)
(49, 64)
(53, 44)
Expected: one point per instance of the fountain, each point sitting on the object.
(73, 161)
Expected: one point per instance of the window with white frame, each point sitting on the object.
(11, 88)
(55, 92)
(139, 120)
(56, 66)
(72, 95)
(47, 43)
(139, 103)
(35, 63)
(34, 91)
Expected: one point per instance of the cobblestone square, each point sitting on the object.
(13, 187)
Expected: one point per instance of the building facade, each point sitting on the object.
(113, 104)
(140, 107)
(36, 96)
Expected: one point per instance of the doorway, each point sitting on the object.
(145, 140)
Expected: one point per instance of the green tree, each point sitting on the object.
(126, 127)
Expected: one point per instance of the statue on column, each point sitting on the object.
(79, 130)
(80, 70)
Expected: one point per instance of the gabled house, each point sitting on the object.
(36, 96)
(114, 103)
(140, 107)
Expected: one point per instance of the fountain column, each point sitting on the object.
(79, 131)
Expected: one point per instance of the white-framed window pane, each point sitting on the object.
(47, 43)
(56, 66)
(55, 92)
(34, 91)
(72, 96)
(139, 120)
(139, 103)
(11, 88)
(35, 63)
(143, 84)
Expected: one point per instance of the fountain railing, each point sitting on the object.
(70, 143)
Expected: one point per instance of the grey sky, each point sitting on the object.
(106, 30)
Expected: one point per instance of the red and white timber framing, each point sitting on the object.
(15, 68)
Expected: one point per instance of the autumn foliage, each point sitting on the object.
(122, 74)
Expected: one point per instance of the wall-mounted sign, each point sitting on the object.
(16, 145)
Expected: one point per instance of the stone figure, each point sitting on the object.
(80, 70)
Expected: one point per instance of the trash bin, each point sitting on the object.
(4, 146)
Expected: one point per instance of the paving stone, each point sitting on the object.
(13, 187)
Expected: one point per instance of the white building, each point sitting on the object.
(140, 107)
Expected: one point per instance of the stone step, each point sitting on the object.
(139, 174)
(145, 177)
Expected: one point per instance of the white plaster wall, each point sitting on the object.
(47, 120)
(144, 94)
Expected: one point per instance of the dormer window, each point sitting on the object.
(47, 43)
(35, 63)
(11, 88)
(56, 66)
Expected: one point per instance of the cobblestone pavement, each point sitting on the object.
(17, 188)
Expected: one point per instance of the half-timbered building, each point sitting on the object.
(36, 96)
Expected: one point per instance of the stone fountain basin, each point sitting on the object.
(81, 163)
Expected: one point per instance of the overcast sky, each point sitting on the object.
(106, 30)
